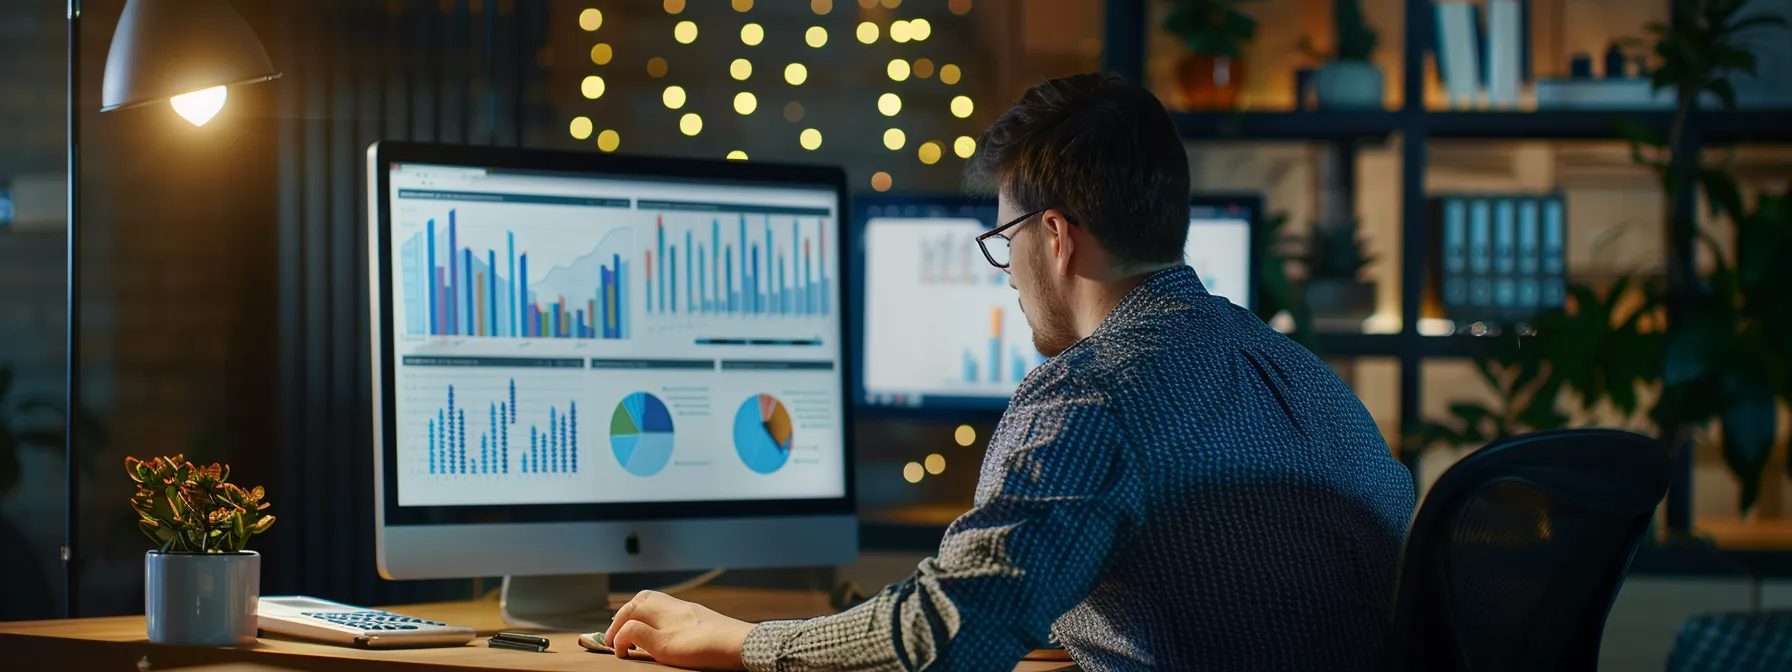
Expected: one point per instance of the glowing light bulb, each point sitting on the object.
(685, 32)
(816, 36)
(752, 34)
(949, 74)
(590, 19)
(690, 124)
(200, 106)
(810, 139)
(889, 104)
(601, 54)
(796, 74)
(898, 69)
(894, 138)
(936, 464)
(913, 471)
(930, 153)
(745, 103)
(919, 29)
(965, 435)
(581, 128)
(867, 32)
(961, 106)
(673, 97)
(964, 146)
(737, 155)
(900, 31)
(592, 87)
(740, 69)
(881, 181)
(608, 140)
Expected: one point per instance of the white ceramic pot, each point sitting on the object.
(197, 599)
(1348, 85)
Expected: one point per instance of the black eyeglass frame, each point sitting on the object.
(986, 235)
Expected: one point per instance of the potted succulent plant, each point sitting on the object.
(1215, 32)
(1347, 80)
(1333, 292)
(201, 587)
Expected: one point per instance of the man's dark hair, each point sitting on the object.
(1102, 150)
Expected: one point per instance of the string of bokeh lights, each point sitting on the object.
(745, 103)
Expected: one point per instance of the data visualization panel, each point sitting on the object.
(570, 339)
(943, 329)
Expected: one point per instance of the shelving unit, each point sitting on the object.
(1124, 53)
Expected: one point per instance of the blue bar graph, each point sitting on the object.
(762, 275)
(551, 450)
(458, 291)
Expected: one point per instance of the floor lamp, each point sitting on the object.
(186, 52)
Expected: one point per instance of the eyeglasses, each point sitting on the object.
(995, 246)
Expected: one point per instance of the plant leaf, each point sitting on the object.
(1750, 421)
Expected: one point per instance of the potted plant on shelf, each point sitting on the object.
(1215, 32)
(201, 587)
(1347, 80)
(1333, 292)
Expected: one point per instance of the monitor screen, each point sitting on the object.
(941, 327)
(583, 338)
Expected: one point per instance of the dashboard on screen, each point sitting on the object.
(941, 328)
(570, 338)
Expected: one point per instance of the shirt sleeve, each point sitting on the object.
(1049, 511)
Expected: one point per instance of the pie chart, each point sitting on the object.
(762, 433)
(641, 434)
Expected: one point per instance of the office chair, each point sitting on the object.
(1519, 549)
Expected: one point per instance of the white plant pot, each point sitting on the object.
(1348, 85)
(194, 599)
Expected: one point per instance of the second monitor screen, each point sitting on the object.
(942, 328)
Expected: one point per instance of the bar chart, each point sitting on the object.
(753, 266)
(454, 288)
(451, 451)
(985, 364)
(953, 258)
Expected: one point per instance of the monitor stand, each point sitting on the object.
(563, 603)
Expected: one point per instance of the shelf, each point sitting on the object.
(1395, 345)
(1246, 125)
(1721, 127)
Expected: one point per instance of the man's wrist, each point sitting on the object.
(763, 643)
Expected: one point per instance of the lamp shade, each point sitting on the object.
(164, 48)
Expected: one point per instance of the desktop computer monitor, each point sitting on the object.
(941, 333)
(590, 363)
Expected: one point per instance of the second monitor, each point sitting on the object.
(941, 330)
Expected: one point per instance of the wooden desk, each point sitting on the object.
(119, 643)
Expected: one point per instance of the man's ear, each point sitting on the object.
(1063, 240)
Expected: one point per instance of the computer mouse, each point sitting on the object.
(594, 642)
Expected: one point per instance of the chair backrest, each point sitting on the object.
(1519, 549)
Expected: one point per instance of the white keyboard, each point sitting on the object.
(336, 623)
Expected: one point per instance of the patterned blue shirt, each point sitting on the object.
(1185, 489)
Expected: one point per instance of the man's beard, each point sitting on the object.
(1053, 329)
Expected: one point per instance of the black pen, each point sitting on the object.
(520, 642)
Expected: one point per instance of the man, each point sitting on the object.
(1178, 487)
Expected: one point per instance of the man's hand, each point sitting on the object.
(678, 633)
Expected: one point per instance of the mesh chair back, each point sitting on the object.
(1519, 549)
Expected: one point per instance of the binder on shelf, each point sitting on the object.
(1498, 259)
(1458, 52)
(1480, 253)
(1504, 60)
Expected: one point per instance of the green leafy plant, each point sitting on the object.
(1728, 352)
(193, 509)
(23, 426)
(1213, 27)
(1272, 276)
(1336, 252)
(1599, 345)
(1353, 39)
(36, 423)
